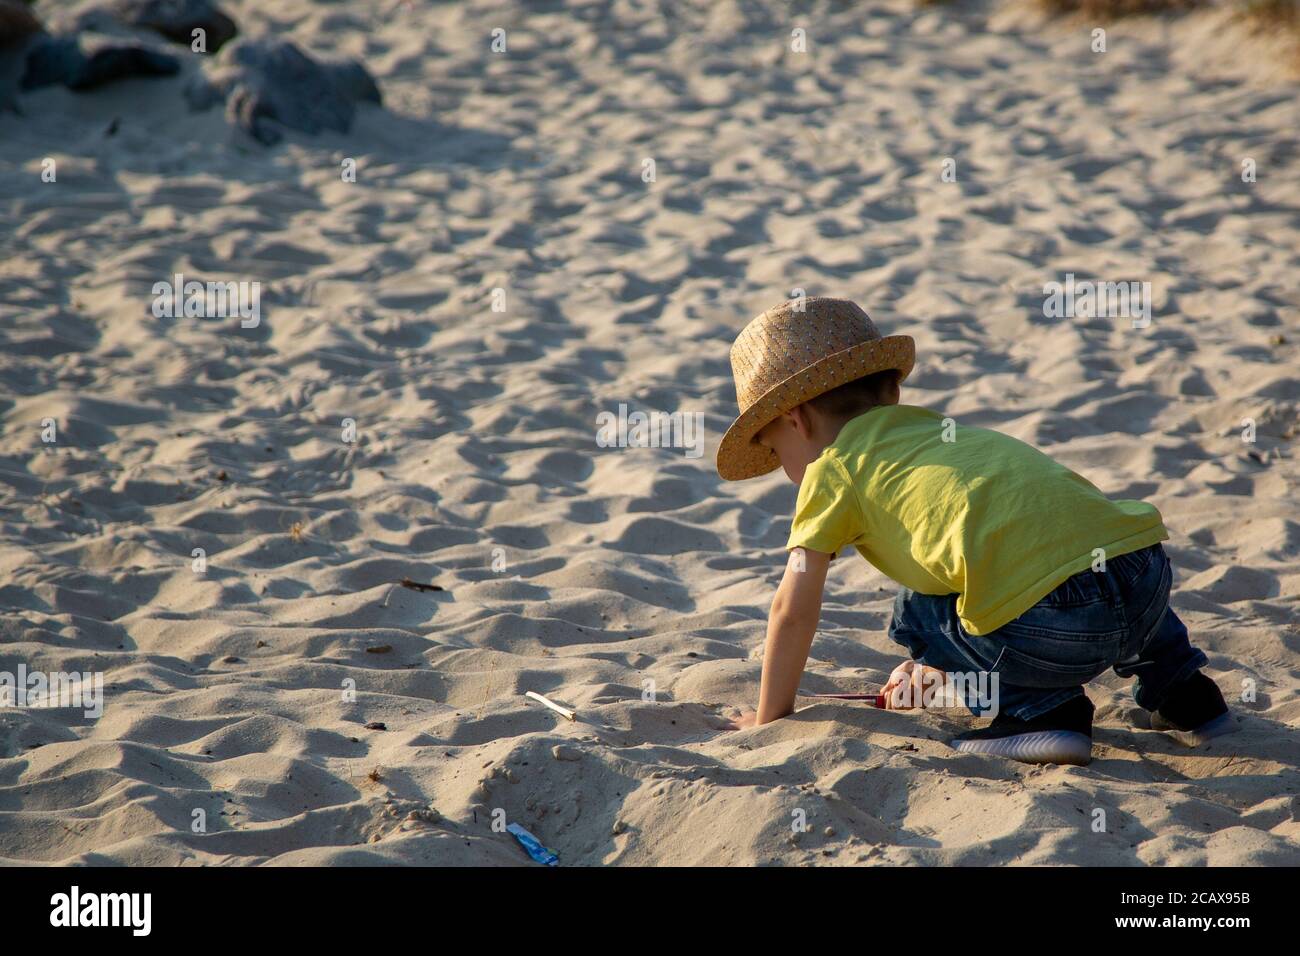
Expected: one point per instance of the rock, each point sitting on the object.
(376, 725)
(178, 19)
(354, 80)
(51, 60)
(119, 62)
(619, 827)
(19, 32)
(17, 24)
(564, 752)
(829, 831)
(92, 46)
(268, 83)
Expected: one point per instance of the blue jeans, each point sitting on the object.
(1118, 618)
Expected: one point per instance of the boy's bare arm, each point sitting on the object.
(791, 625)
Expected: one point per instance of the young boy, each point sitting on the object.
(1011, 565)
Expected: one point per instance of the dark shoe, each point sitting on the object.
(1062, 735)
(1196, 709)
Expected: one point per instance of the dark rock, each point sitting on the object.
(52, 60)
(174, 19)
(19, 30)
(64, 59)
(354, 80)
(178, 19)
(17, 25)
(267, 83)
(120, 62)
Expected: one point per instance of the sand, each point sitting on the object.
(628, 583)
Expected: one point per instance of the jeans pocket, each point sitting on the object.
(1146, 602)
(1018, 669)
(1132, 567)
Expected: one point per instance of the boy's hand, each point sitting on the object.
(913, 685)
(791, 624)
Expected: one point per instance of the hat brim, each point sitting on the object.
(740, 456)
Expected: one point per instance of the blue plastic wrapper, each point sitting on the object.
(533, 845)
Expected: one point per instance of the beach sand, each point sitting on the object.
(631, 584)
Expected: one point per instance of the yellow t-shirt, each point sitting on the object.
(983, 516)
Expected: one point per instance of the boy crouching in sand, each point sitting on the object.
(993, 542)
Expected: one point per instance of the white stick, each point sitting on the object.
(562, 711)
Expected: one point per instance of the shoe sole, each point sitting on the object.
(1041, 746)
(1223, 724)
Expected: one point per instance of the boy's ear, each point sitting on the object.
(801, 420)
(893, 391)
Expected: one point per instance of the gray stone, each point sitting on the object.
(51, 60)
(178, 19)
(174, 19)
(19, 31)
(268, 83)
(83, 65)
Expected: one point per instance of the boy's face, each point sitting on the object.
(797, 439)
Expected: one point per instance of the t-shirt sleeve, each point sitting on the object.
(826, 513)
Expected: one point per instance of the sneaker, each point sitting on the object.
(1195, 711)
(1062, 735)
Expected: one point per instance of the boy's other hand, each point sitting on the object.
(912, 685)
(901, 675)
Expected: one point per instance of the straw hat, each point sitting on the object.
(786, 356)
